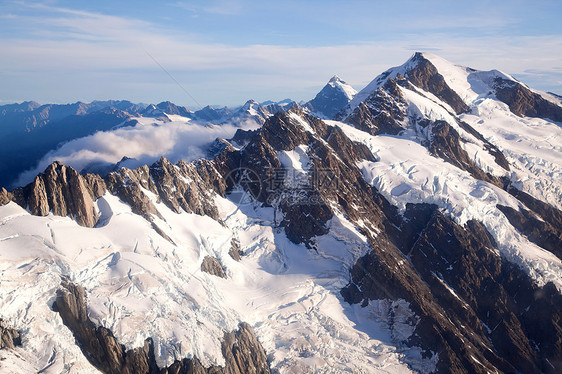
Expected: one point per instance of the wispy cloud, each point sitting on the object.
(77, 50)
(221, 7)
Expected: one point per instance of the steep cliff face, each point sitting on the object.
(524, 102)
(382, 112)
(474, 306)
(63, 191)
(242, 351)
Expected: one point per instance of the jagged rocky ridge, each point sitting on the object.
(64, 192)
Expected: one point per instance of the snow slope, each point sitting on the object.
(140, 285)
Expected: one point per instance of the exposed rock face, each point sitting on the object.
(382, 112)
(335, 95)
(5, 196)
(472, 303)
(492, 149)
(540, 232)
(212, 266)
(182, 187)
(61, 190)
(425, 76)
(525, 102)
(64, 192)
(128, 186)
(235, 252)
(445, 143)
(547, 212)
(243, 353)
(467, 327)
(9, 337)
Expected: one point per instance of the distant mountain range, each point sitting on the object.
(29, 130)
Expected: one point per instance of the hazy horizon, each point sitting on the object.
(226, 52)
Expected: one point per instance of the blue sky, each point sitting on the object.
(226, 51)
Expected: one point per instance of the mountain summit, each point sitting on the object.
(335, 95)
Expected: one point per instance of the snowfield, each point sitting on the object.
(140, 285)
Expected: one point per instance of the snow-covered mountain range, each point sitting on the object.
(413, 226)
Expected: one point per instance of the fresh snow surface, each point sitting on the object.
(532, 146)
(140, 285)
(422, 105)
(296, 163)
(301, 122)
(347, 90)
(405, 172)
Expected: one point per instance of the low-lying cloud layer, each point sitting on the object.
(145, 142)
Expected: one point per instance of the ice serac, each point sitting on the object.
(243, 352)
(335, 95)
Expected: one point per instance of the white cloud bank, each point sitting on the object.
(145, 142)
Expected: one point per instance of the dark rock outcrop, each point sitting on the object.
(212, 266)
(242, 351)
(382, 112)
(9, 337)
(540, 232)
(62, 191)
(546, 211)
(498, 155)
(524, 102)
(446, 143)
(235, 252)
(5, 196)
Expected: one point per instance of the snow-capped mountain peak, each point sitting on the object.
(348, 91)
(335, 95)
